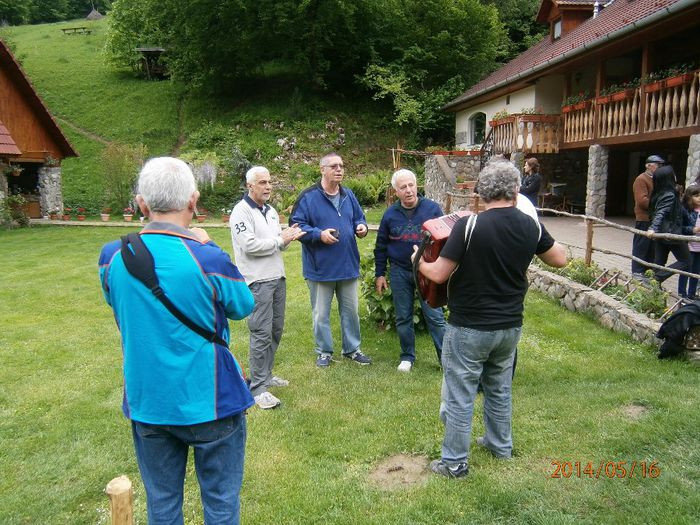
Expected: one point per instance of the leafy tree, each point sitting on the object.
(439, 48)
(14, 12)
(518, 17)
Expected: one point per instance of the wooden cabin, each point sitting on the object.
(32, 145)
(613, 82)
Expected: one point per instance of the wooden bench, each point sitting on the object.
(76, 31)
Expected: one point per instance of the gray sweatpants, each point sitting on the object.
(265, 323)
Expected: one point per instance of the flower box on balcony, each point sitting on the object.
(576, 107)
(678, 80)
(603, 99)
(653, 86)
(621, 95)
(500, 121)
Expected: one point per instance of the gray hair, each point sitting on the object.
(401, 173)
(326, 157)
(499, 180)
(252, 174)
(166, 184)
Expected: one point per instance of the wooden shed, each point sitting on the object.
(32, 145)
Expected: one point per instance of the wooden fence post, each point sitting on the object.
(589, 242)
(121, 499)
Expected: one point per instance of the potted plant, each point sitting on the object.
(105, 214)
(54, 214)
(678, 75)
(128, 214)
(225, 214)
(501, 117)
(66, 214)
(576, 102)
(201, 216)
(81, 214)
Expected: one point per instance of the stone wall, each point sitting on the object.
(693, 169)
(50, 195)
(442, 172)
(609, 312)
(597, 180)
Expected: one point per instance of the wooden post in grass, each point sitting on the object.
(589, 242)
(121, 498)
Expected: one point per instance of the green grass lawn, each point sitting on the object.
(64, 437)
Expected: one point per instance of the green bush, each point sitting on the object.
(121, 164)
(649, 300)
(12, 215)
(380, 308)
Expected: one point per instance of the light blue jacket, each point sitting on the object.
(173, 376)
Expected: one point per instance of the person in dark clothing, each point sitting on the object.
(642, 246)
(532, 181)
(665, 210)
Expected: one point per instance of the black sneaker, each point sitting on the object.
(458, 470)
(359, 358)
(323, 360)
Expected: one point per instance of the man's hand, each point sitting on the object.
(361, 230)
(380, 284)
(650, 233)
(327, 236)
(201, 234)
(292, 234)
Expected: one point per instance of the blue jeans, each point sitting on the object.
(694, 268)
(219, 449)
(466, 353)
(682, 255)
(321, 297)
(403, 293)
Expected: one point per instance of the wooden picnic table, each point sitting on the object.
(76, 31)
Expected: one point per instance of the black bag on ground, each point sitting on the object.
(675, 329)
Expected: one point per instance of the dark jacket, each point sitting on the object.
(666, 213)
(314, 212)
(398, 234)
(530, 187)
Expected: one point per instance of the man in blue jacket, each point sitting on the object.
(180, 389)
(399, 231)
(331, 217)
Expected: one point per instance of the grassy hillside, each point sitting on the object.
(96, 103)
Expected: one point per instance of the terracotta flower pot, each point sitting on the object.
(105, 217)
(201, 218)
(128, 218)
(653, 86)
(81, 217)
(65, 217)
(679, 80)
(225, 218)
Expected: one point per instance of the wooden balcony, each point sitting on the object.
(665, 109)
(529, 133)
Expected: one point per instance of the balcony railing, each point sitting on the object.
(529, 133)
(667, 105)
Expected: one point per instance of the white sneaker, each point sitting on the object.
(405, 366)
(267, 401)
(278, 381)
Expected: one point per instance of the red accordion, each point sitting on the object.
(435, 233)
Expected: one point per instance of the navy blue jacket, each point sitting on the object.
(314, 212)
(398, 234)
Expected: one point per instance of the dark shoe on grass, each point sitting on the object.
(359, 358)
(323, 360)
(457, 470)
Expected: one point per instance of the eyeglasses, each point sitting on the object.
(334, 166)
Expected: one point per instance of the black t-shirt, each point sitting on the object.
(487, 289)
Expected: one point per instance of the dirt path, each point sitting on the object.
(83, 132)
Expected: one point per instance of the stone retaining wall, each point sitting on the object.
(609, 312)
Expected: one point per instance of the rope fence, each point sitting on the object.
(589, 248)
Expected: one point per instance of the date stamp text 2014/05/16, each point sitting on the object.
(604, 469)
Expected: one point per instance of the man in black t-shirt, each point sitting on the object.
(487, 270)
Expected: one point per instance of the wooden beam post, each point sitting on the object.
(121, 499)
(588, 256)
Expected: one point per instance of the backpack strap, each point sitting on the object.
(139, 262)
